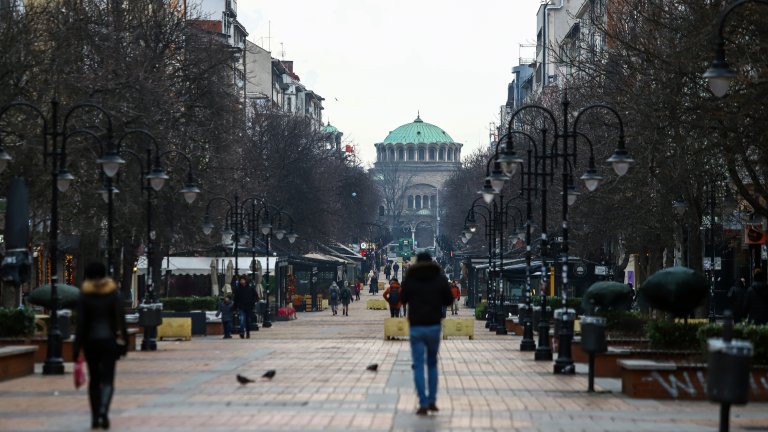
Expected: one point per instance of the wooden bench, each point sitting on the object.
(396, 327)
(376, 304)
(175, 327)
(459, 327)
(16, 361)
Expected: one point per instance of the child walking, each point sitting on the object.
(225, 311)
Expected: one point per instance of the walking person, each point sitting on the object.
(225, 311)
(426, 291)
(374, 283)
(387, 271)
(392, 296)
(346, 297)
(358, 287)
(395, 269)
(100, 330)
(456, 293)
(245, 300)
(736, 296)
(756, 303)
(333, 297)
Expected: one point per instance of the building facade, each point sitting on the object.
(412, 164)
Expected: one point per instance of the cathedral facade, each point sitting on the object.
(412, 164)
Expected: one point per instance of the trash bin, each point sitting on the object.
(593, 334)
(150, 314)
(728, 367)
(63, 320)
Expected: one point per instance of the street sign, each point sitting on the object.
(718, 263)
(580, 270)
(601, 270)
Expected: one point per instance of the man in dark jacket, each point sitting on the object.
(756, 304)
(245, 299)
(426, 291)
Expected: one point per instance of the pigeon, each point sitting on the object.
(243, 380)
(373, 367)
(269, 374)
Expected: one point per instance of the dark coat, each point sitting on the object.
(100, 314)
(736, 297)
(245, 296)
(426, 291)
(756, 304)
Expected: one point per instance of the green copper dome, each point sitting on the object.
(329, 128)
(418, 132)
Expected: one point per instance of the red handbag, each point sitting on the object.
(79, 374)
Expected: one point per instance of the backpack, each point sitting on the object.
(394, 296)
(346, 295)
(334, 295)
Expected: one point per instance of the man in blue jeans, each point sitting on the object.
(426, 291)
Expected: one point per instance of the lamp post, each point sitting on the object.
(470, 224)
(720, 73)
(152, 180)
(568, 136)
(54, 139)
(711, 195)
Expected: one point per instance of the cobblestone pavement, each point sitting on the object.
(322, 384)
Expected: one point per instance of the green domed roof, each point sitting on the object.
(328, 128)
(418, 132)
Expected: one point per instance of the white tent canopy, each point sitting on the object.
(202, 265)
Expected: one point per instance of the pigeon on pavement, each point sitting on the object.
(269, 374)
(243, 380)
(373, 367)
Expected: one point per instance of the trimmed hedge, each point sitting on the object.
(17, 322)
(186, 304)
(674, 336)
(624, 323)
(758, 335)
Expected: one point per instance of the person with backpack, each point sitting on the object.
(392, 296)
(333, 298)
(346, 297)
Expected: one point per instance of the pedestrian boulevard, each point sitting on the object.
(321, 383)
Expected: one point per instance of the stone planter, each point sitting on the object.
(607, 364)
(198, 320)
(579, 356)
(645, 379)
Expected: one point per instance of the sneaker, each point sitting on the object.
(242, 336)
(421, 411)
(433, 407)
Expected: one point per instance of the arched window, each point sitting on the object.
(433, 200)
(400, 154)
(410, 201)
(442, 154)
(381, 210)
(378, 154)
(411, 154)
(391, 154)
(425, 200)
(421, 154)
(431, 154)
(450, 154)
(418, 202)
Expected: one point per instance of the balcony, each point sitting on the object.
(231, 6)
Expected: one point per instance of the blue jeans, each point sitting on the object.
(227, 327)
(245, 321)
(425, 340)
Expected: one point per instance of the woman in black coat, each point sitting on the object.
(102, 335)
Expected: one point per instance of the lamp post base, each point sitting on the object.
(564, 363)
(527, 344)
(53, 366)
(543, 351)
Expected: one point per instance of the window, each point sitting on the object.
(450, 154)
(418, 202)
(410, 154)
(433, 200)
(400, 154)
(442, 154)
(426, 201)
(431, 154)
(410, 201)
(381, 210)
(421, 154)
(378, 154)
(391, 154)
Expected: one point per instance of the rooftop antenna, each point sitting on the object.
(268, 37)
(282, 51)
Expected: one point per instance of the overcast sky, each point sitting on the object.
(379, 62)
